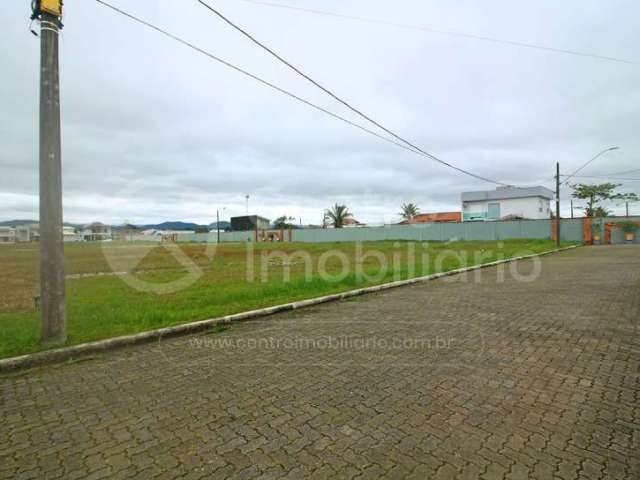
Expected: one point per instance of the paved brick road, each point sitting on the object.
(450, 379)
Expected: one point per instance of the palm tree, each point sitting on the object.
(337, 215)
(283, 222)
(408, 211)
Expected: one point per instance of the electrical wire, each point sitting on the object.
(444, 32)
(602, 177)
(257, 78)
(269, 84)
(589, 162)
(344, 102)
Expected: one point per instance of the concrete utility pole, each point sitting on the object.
(52, 290)
(558, 204)
(218, 225)
(572, 208)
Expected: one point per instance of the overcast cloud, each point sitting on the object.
(153, 131)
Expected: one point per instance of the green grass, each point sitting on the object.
(100, 307)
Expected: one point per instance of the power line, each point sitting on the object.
(285, 92)
(589, 162)
(257, 78)
(601, 177)
(344, 102)
(265, 82)
(445, 32)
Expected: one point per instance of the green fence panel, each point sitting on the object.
(196, 237)
(405, 232)
(453, 231)
(480, 231)
(535, 229)
(571, 229)
(506, 230)
(246, 236)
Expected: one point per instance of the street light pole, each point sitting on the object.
(610, 149)
(218, 224)
(572, 208)
(558, 204)
(566, 181)
(52, 288)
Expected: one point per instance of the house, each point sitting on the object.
(152, 232)
(125, 232)
(434, 217)
(7, 235)
(96, 232)
(248, 223)
(352, 222)
(507, 203)
(28, 233)
(69, 234)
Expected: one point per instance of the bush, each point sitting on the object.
(628, 227)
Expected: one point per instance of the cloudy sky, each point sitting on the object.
(154, 131)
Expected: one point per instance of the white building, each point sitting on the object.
(69, 234)
(7, 235)
(505, 203)
(96, 232)
(28, 233)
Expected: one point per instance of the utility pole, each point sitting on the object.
(558, 204)
(627, 207)
(218, 224)
(52, 290)
(247, 199)
(572, 208)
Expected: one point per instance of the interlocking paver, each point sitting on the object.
(450, 379)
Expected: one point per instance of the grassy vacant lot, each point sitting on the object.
(119, 288)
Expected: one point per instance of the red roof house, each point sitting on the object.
(435, 217)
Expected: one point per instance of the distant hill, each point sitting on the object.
(224, 225)
(175, 225)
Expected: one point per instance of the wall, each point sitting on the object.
(570, 230)
(212, 237)
(523, 207)
(434, 232)
(617, 235)
(137, 237)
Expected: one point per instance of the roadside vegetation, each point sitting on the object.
(102, 304)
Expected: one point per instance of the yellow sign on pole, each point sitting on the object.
(54, 7)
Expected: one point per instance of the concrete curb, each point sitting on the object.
(61, 354)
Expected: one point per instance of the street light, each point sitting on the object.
(558, 184)
(218, 222)
(610, 149)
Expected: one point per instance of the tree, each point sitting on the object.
(337, 215)
(283, 222)
(408, 211)
(594, 194)
(601, 212)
